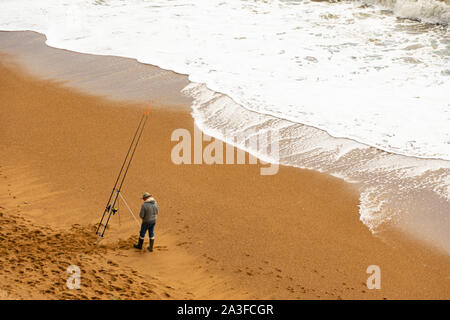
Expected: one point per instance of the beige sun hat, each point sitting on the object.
(146, 195)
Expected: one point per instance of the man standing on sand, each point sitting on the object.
(149, 211)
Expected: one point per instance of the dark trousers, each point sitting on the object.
(150, 226)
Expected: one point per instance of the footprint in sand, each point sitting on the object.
(290, 289)
(112, 263)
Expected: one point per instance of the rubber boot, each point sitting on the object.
(150, 247)
(139, 244)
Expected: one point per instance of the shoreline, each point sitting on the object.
(315, 237)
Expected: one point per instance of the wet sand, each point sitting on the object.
(224, 231)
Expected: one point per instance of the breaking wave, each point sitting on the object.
(430, 11)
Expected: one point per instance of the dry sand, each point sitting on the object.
(224, 231)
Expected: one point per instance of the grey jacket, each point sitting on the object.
(149, 210)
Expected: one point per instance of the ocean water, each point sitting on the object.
(357, 89)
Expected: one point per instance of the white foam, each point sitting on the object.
(372, 211)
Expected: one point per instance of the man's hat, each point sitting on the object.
(146, 195)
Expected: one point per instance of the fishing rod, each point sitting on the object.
(120, 173)
(125, 174)
(110, 209)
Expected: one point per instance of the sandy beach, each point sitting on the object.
(224, 231)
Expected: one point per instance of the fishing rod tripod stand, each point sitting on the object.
(110, 208)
